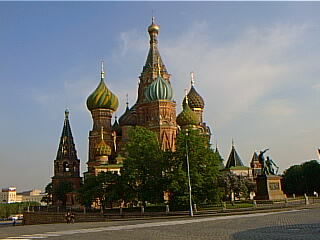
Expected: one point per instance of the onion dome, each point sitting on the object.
(153, 27)
(102, 97)
(187, 116)
(116, 127)
(194, 98)
(129, 118)
(159, 90)
(102, 148)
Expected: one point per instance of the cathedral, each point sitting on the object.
(154, 109)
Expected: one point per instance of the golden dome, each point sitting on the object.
(153, 27)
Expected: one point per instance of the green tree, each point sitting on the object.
(304, 178)
(144, 167)
(48, 197)
(105, 189)
(238, 186)
(204, 170)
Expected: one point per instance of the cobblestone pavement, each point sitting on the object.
(292, 224)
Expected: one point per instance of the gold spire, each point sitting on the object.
(186, 94)
(192, 78)
(159, 66)
(101, 133)
(153, 27)
(102, 71)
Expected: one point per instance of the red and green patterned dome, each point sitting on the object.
(194, 99)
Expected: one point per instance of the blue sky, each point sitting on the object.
(256, 64)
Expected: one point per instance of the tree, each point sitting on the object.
(304, 178)
(238, 186)
(48, 197)
(143, 167)
(204, 170)
(104, 189)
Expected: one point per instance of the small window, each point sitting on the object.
(66, 167)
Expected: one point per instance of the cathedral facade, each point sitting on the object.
(154, 109)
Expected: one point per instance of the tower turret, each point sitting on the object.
(102, 103)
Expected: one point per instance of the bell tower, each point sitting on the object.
(66, 166)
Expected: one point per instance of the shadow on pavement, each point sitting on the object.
(292, 232)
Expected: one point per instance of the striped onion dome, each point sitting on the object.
(159, 90)
(102, 97)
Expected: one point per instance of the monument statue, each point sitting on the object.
(267, 165)
(261, 157)
(268, 182)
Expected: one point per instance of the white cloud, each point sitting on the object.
(316, 86)
(131, 41)
(234, 75)
(279, 108)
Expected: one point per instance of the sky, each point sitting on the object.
(256, 65)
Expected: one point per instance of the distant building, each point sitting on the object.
(8, 195)
(34, 195)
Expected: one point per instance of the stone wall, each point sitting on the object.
(30, 218)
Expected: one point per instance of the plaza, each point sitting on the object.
(289, 224)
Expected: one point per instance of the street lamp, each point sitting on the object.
(188, 171)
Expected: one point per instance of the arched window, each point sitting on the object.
(66, 167)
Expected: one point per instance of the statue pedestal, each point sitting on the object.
(269, 188)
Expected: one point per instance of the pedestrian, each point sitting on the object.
(68, 217)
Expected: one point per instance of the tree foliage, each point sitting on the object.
(236, 186)
(48, 197)
(104, 189)
(304, 178)
(204, 170)
(144, 165)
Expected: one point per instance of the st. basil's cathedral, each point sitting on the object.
(154, 109)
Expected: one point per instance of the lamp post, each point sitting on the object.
(188, 171)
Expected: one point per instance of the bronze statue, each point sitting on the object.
(267, 165)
